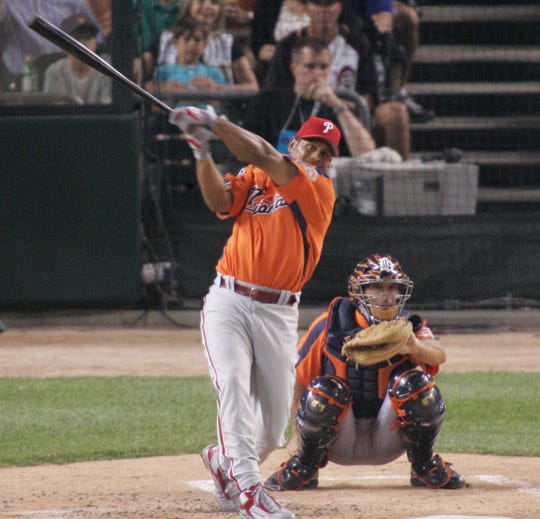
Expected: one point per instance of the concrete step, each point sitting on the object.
(515, 133)
(528, 88)
(492, 194)
(482, 4)
(504, 169)
(465, 123)
(506, 208)
(506, 12)
(476, 63)
(528, 54)
(474, 70)
(480, 25)
(478, 99)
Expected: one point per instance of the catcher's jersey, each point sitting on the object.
(318, 356)
(279, 231)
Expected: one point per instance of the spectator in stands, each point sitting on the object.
(152, 18)
(188, 73)
(72, 77)
(277, 114)
(292, 17)
(399, 19)
(102, 12)
(18, 40)
(221, 51)
(263, 43)
(353, 70)
(237, 18)
(271, 22)
(238, 15)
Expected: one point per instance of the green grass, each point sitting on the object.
(491, 413)
(61, 420)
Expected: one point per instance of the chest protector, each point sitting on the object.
(363, 381)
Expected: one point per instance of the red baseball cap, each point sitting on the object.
(319, 128)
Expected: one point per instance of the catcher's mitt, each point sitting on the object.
(377, 343)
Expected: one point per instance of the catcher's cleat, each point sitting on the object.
(225, 490)
(436, 473)
(256, 503)
(293, 475)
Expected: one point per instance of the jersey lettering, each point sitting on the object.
(257, 204)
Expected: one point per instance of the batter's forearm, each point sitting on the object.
(215, 194)
(245, 145)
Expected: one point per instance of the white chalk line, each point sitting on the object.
(495, 479)
(519, 485)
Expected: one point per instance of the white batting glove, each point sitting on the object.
(188, 116)
(198, 139)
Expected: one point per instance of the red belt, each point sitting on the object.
(258, 294)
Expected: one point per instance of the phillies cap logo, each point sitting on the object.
(328, 126)
(319, 128)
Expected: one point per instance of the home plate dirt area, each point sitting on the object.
(179, 487)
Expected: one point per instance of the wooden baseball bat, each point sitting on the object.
(66, 42)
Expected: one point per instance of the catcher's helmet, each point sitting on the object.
(379, 270)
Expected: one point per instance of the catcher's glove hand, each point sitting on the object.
(377, 343)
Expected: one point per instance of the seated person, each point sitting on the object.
(18, 40)
(394, 28)
(273, 21)
(70, 76)
(276, 114)
(238, 18)
(353, 69)
(292, 17)
(222, 49)
(152, 18)
(189, 73)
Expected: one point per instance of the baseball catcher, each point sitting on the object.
(365, 392)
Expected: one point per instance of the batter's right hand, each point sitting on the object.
(198, 139)
(187, 116)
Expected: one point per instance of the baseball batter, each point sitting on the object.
(355, 414)
(282, 205)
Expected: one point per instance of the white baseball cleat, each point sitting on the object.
(225, 491)
(256, 503)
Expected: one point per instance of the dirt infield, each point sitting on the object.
(178, 487)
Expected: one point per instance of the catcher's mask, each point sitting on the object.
(380, 270)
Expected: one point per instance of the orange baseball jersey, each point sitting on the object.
(279, 231)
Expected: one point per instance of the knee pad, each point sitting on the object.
(322, 407)
(416, 399)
